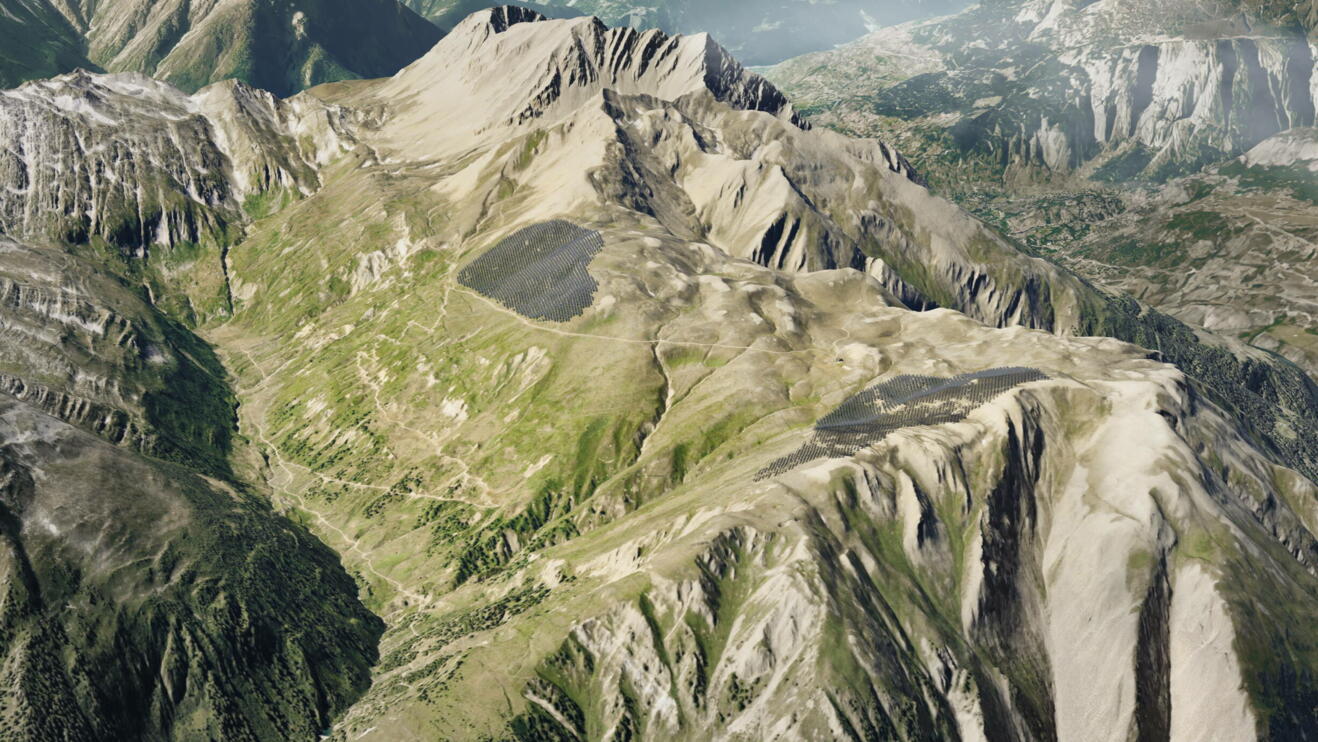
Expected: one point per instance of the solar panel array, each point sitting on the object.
(901, 402)
(540, 271)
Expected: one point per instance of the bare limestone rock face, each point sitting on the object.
(135, 165)
(1044, 89)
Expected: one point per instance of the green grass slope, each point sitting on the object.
(277, 46)
(280, 47)
(147, 594)
(36, 41)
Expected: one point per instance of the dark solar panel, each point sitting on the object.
(540, 271)
(901, 402)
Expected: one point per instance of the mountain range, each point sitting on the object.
(576, 383)
(1123, 152)
(282, 47)
(755, 31)
(285, 47)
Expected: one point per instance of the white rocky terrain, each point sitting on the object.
(1030, 89)
(1104, 136)
(567, 526)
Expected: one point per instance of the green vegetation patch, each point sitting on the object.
(1299, 181)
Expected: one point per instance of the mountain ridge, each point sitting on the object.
(756, 32)
(563, 524)
(279, 47)
(147, 593)
(1116, 152)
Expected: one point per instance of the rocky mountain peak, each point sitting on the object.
(121, 157)
(605, 379)
(96, 98)
(528, 68)
(503, 17)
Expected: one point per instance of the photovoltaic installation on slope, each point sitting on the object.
(902, 402)
(540, 271)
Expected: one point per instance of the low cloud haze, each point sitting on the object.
(758, 32)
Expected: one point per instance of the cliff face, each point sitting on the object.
(544, 75)
(943, 588)
(1110, 89)
(136, 167)
(78, 177)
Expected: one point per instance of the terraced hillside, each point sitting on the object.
(564, 518)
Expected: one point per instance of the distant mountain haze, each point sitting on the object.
(755, 31)
(285, 47)
(1096, 132)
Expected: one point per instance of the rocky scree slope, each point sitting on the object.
(277, 46)
(561, 522)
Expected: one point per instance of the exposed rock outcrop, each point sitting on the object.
(560, 512)
(1110, 89)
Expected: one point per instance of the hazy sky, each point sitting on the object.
(757, 31)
